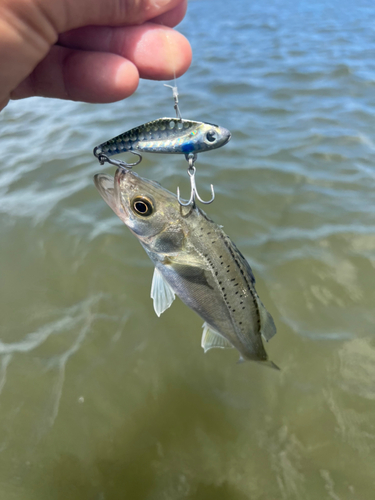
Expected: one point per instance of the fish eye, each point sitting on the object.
(211, 136)
(142, 206)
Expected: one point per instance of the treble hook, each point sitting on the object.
(191, 157)
(175, 98)
(118, 163)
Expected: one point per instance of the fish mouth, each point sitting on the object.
(125, 181)
(110, 188)
(121, 174)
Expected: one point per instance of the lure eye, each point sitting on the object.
(142, 206)
(211, 136)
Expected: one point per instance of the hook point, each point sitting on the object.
(193, 188)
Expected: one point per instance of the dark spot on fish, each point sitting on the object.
(228, 265)
(227, 270)
(216, 273)
(243, 307)
(234, 310)
(241, 302)
(169, 243)
(232, 278)
(219, 282)
(236, 284)
(221, 263)
(240, 322)
(220, 256)
(209, 232)
(223, 288)
(236, 293)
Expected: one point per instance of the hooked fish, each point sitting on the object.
(167, 135)
(195, 260)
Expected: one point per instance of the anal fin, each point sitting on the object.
(211, 339)
(161, 293)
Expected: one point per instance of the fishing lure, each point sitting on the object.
(167, 135)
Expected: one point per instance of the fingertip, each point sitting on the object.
(182, 54)
(158, 52)
(126, 79)
(170, 57)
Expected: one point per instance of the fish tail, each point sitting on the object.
(265, 362)
(270, 364)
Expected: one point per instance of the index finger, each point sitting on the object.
(159, 52)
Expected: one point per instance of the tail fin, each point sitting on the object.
(270, 364)
(265, 362)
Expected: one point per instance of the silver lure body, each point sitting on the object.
(196, 258)
(167, 135)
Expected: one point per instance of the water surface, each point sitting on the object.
(102, 400)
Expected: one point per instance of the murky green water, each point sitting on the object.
(102, 400)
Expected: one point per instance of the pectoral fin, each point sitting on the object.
(192, 261)
(161, 293)
(211, 339)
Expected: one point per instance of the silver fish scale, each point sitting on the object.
(235, 282)
(219, 287)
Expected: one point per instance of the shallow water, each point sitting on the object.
(102, 400)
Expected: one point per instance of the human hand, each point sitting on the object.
(88, 50)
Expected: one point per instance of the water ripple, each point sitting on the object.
(294, 82)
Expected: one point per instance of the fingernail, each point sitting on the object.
(159, 3)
